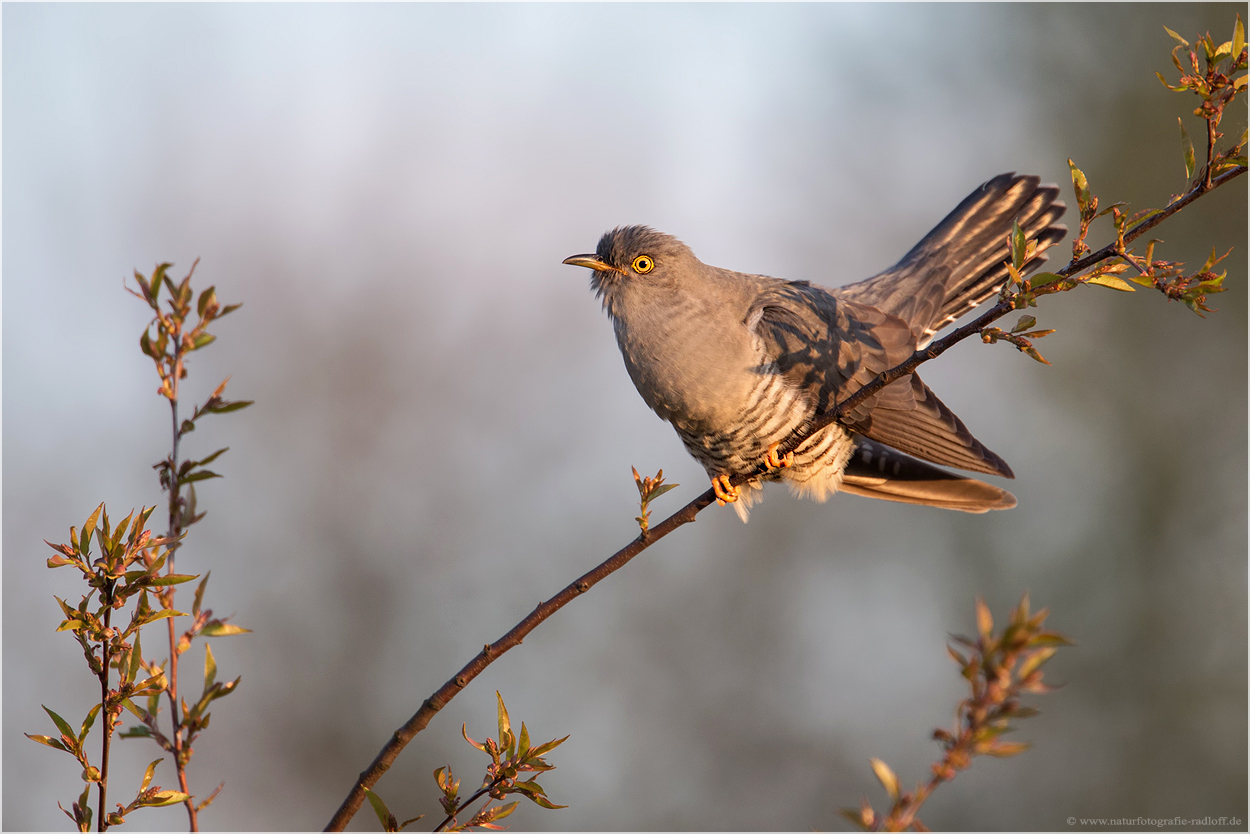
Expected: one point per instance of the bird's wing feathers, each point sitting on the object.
(962, 262)
(829, 348)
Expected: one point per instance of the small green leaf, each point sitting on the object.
(154, 683)
(202, 340)
(148, 774)
(48, 740)
(209, 801)
(229, 308)
(546, 748)
(163, 798)
(220, 629)
(443, 777)
(187, 426)
(1239, 38)
(529, 788)
(886, 777)
(1165, 83)
(1144, 214)
(202, 475)
(159, 276)
(84, 804)
(1212, 260)
(226, 408)
(464, 731)
(174, 579)
(88, 528)
(61, 723)
(505, 725)
(985, 621)
(1081, 186)
(544, 802)
(199, 594)
(1187, 147)
(1111, 208)
(212, 457)
(1176, 37)
(137, 712)
(489, 815)
(1018, 244)
(1031, 352)
(379, 808)
(1034, 660)
(210, 667)
(87, 722)
(160, 615)
(523, 742)
(209, 296)
(1006, 749)
(660, 490)
(143, 285)
(1112, 282)
(1050, 638)
(1024, 323)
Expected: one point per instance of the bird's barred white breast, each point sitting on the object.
(773, 411)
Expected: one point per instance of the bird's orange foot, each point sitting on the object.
(726, 493)
(775, 461)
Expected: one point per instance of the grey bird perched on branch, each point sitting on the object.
(741, 363)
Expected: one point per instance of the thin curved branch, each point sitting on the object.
(382, 762)
(401, 737)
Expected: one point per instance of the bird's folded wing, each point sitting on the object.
(829, 348)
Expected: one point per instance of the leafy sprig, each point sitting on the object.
(511, 755)
(127, 566)
(649, 489)
(999, 668)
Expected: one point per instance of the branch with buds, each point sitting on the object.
(999, 669)
(510, 755)
(135, 566)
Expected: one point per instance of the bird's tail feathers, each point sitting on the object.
(877, 471)
(961, 263)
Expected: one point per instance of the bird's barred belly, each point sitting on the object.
(774, 411)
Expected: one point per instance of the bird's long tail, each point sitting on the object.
(961, 263)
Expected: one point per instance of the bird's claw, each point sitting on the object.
(775, 461)
(726, 493)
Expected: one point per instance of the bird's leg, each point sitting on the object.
(774, 461)
(726, 493)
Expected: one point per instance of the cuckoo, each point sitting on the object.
(740, 364)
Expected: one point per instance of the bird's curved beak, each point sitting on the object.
(590, 262)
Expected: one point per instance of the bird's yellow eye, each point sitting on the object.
(643, 264)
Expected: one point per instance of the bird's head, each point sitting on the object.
(630, 256)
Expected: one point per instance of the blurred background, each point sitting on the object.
(443, 429)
